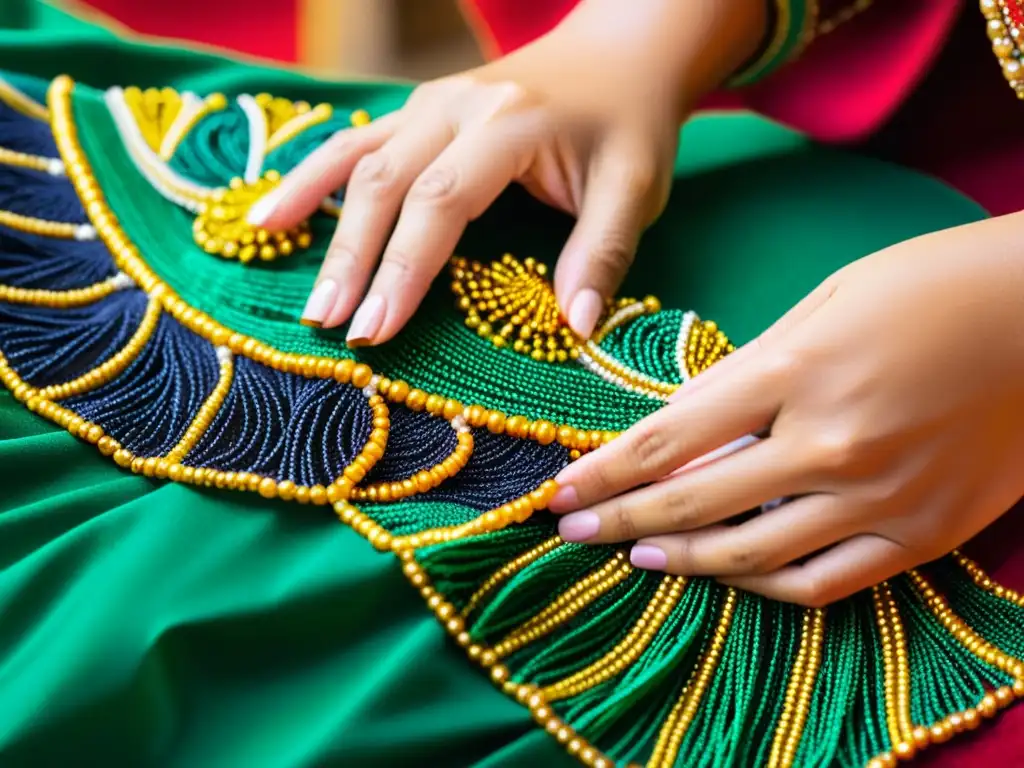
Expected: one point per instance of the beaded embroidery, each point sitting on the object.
(619, 666)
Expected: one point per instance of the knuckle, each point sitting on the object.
(375, 174)
(507, 96)
(684, 510)
(838, 449)
(781, 364)
(747, 558)
(622, 523)
(614, 252)
(818, 592)
(649, 447)
(395, 266)
(436, 186)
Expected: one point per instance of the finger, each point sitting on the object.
(792, 318)
(762, 544)
(456, 188)
(690, 500)
(325, 170)
(379, 183)
(855, 564)
(614, 212)
(673, 436)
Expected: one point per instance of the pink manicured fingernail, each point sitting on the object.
(584, 310)
(320, 301)
(264, 208)
(366, 322)
(565, 498)
(579, 526)
(648, 558)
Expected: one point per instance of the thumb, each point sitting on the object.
(616, 208)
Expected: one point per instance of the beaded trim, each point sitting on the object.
(21, 102)
(796, 704)
(670, 739)
(1005, 26)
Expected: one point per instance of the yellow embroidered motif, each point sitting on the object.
(221, 227)
(703, 346)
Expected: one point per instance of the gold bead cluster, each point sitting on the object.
(221, 227)
(621, 311)
(704, 346)
(525, 694)
(507, 571)
(74, 297)
(797, 702)
(627, 650)
(1005, 43)
(512, 304)
(670, 738)
(566, 605)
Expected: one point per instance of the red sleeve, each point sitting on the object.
(845, 86)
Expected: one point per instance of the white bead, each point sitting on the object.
(85, 232)
(55, 167)
(370, 390)
(459, 423)
(122, 282)
(224, 355)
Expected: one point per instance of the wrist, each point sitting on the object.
(678, 50)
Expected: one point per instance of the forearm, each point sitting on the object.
(682, 48)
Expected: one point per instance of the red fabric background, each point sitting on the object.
(266, 28)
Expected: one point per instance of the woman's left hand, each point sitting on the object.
(892, 400)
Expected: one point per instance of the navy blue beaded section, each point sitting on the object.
(284, 426)
(150, 405)
(21, 133)
(34, 193)
(34, 261)
(51, 346)
(501, 469)
(417, 441)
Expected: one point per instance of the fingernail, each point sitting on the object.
(584, 310)
(263, 208)
(648, 558)
(319, 303)
(366, 322)
(565, 498)
(579, 526)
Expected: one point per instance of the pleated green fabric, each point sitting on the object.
(151, 624)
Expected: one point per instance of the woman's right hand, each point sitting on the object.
(582, 118)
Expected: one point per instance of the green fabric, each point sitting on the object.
(153, 624)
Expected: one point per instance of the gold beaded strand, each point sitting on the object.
(207, 411)
(627, 650)
(20, 102)
(509, 570)
(61, 230)
(970, 718)
(525, 694)
(49, 165)
(896, 671)
(566, 605)
(73, 297)
(983, 580)
(670, 737)
(796, 704)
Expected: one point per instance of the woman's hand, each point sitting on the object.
(893, 402)
(586, 119)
